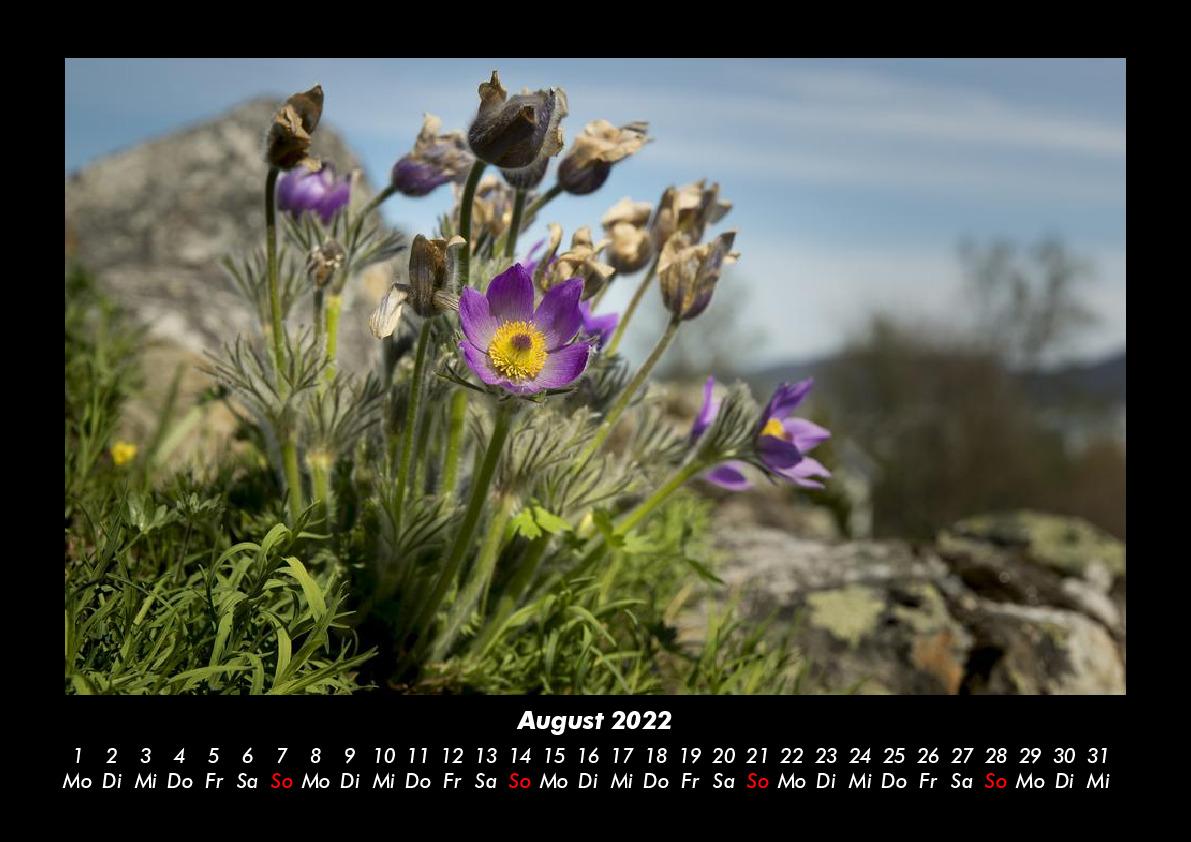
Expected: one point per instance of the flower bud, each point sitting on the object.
(324, 261)
(586, 167)
(517, 132)
(431, 271)
(289, 137)
(688, 273)
(688, 209)
(434, 160)
(580, 262)
(301, 190)
(630, 248)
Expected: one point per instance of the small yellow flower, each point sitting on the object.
(123, 452)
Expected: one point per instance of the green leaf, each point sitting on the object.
(523, 524)
(314, 595)
(550, 522)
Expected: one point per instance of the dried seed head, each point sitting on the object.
(689, 210)
(324, 261)
(580, 261)
(434, 160)
(586, 167)
(288, 143)
(431, 273)
(625, 224)
(519, 131)
(688, 273)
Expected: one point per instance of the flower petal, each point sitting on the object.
(805, 434)
(786, 397)
(558, 316)
(510, 295)
(728, 476)
(479, 326)
(562, 367)
(804, 472)
(479, 363)
(776, 454)
(707, 413)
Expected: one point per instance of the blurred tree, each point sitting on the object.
(1026, 300)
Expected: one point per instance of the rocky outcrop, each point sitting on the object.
(1020, 603)
(153, 223)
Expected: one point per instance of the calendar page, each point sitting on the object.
(702, 433)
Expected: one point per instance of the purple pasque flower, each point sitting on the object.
(300, 190)
(511, 345)
(601, 327)
(781, 444)
(434, 160)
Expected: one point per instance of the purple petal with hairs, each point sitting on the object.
(479, 325)
(558, 316)
(728, 476)
(601, 327)
(479, 363)
(562, 367)
(806, 435)
(777, 455)
(805, 471)
(708, 411)
(510, 295)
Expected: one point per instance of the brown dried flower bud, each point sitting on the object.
(519, 131)
(688, 273)
(431, 274)
(579, 262)
(625, 223)
(288, 143)
(586, 167)
(688, 209)
(324, 261)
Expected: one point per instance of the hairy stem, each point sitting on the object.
(471, 517)
(515, 224)
(465, 209)
(412, 408)
(271, 269)
(450, 470)
(626, 396)
(476, 588)
(638, 294)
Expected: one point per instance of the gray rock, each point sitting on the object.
(970, 615)
(153, 223)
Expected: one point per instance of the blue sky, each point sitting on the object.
(852, 180)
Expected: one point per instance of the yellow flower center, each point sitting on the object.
(518, 351)
(774, 428)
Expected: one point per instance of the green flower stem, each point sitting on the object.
(289, 447)
(515, 224)
(412, 408)
(450, 470)
(626, 395)
(320, 486)
(475, 591)
(630, 519)
(271, 269)
(334, 309)
(318, 316)
(465, 209)
(632, 308)
(293, 478)
(471, 517)
(543, 200)
(511, 593)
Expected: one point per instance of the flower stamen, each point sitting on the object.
(518, 350)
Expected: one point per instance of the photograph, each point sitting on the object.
(578, 377)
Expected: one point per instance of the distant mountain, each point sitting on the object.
(1095, 382)
(1101, 382)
